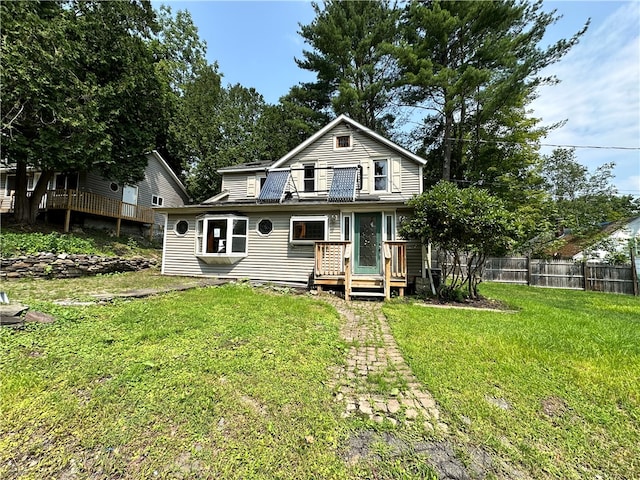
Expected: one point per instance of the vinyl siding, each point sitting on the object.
(157, 181)
(365, 150)
(236, 184)
(270, 258)
(404, 171)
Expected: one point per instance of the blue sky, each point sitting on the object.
(255, 44)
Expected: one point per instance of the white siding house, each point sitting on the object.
(326, 213)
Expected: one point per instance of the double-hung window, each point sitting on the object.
(309, 178)
(381, 175)
(221, 238)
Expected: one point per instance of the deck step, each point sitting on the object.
(367, 294)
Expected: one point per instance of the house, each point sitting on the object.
(90, 200)
(327, 214)
(615, 238)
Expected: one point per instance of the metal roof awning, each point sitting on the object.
(274, 186)
(343, 185)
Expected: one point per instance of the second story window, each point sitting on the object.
(380, 175)
(309, 178)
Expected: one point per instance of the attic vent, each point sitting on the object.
(274, 185)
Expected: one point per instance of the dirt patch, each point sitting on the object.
(371, 446)
(553, 406)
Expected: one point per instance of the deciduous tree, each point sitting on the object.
(467, 225)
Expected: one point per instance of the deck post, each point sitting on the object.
(387, 272)
(118, 226)
(347, 273)
(67, 217)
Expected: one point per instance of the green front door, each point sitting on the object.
(367, 240)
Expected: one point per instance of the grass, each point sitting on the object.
(566, 366)
(220, 382)
(30, 291)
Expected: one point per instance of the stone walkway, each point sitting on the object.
(376, 382)
(378, 385)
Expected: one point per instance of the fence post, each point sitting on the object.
(585, 274)
(634, 271)
(529, 270)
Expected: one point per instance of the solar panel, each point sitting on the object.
(343, 185)
(273, 188)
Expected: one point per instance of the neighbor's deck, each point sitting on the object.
(91, 203)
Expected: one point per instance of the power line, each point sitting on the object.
(557, 145)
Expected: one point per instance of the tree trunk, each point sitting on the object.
(448, 122)
(26, 206)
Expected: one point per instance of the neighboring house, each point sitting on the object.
(620, 237)
(327, 213)
(90, 200)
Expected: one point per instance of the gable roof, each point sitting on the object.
(571, 245)
(356, 126)
(166, 166)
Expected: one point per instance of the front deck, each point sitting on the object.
(334, 267)
(91, 203)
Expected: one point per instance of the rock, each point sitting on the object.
(498, 402)
(11, 310)
(411, 414)
(38, 317)
(393, 406)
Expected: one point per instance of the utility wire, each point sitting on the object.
(504, 142)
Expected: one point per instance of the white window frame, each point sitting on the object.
(389, 235)
(258, 227)
(314, 178)
(346, 235)
(373, 175)
(310, 218)
(157, 201)
(202, 226)
(175, 227)
(336, 148)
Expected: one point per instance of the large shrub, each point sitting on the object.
(466, 225)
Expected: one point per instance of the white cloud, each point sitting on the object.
(599, 95)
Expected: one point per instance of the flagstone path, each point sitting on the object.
(376, 382)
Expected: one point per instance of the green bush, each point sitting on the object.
(13, 244)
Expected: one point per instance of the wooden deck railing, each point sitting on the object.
(329, 258)
(87, 202)
(333, 265)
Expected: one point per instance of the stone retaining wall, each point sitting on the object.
(50, 265)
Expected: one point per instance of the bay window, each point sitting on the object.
(221, 238)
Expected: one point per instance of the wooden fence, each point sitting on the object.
(563, 274)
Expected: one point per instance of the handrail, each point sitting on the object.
(93, 203)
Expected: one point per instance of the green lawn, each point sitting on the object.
(567, 366)
(220, 382)
(31, 292)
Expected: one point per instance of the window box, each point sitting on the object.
(308, 230)
(221, 239)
